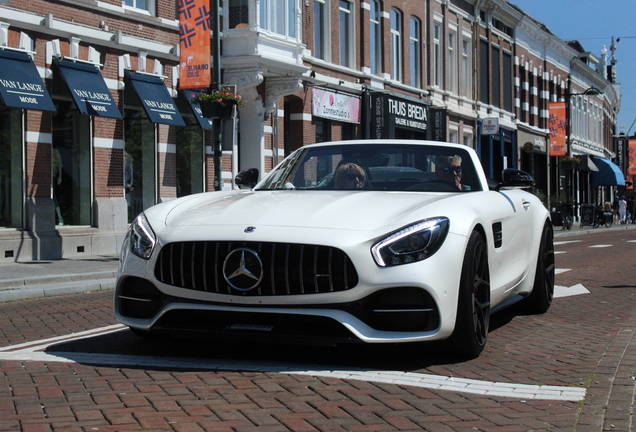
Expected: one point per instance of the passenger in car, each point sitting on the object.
(350, 176)
(449, 170)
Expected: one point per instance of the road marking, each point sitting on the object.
(559, 243)
(601, 246)
(560, 252)
(34, 351)
(559, 271)
(631, 241)
(561, 291)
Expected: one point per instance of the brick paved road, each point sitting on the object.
(586, 340)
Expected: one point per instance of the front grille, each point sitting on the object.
(287, 269)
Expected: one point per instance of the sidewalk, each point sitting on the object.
(33, 279)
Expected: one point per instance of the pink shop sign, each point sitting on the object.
(335, 106)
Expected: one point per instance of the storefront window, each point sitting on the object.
(11, 196)
(139, 163)
(190, 148)
(71, 166)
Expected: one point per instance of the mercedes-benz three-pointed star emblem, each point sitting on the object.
(243, 269)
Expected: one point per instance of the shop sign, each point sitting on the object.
(389, 112)
(335, 106)
(438, 125)
(620, 152)
(490, 126)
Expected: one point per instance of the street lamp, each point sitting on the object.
(591, 91)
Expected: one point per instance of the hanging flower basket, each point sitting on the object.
(218, 104)
(216, 110)
(570, 162)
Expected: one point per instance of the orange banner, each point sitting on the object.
(558, 129)
(631, 157)
(194, 37)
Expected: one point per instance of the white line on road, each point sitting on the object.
(559, 243)
(601, 246)
(34, 352)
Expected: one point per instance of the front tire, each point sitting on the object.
(473, 308)
(540, 299)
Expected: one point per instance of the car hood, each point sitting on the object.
(347, 210)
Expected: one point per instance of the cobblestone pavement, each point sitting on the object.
(583, 341)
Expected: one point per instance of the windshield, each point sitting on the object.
(396, 167)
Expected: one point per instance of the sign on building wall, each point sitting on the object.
(437, 124)
(631, 157)
(335, 106)
(194, 40)
(620, 144)
(390, 113)
(558, 129)
(490, 126)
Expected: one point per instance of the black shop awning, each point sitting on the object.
(609, 174)
(205, 122)
(88, 88)
(20, 83)
(153, 95)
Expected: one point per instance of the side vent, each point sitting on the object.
(497, 234)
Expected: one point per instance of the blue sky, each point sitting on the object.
(593, 23)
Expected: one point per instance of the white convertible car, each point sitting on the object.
(385, 241)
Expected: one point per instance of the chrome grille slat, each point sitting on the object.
(288, 269)
(205, 267)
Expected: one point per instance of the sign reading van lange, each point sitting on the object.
(335, 106)
(20, 83)
(390, 112)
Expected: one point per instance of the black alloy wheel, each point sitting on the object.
(473, 308)
(540, 299)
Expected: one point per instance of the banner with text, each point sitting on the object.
(558, 129)
(335, 106)
(194, 39)
(631, 157)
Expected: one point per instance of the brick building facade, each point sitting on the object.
(311, 70)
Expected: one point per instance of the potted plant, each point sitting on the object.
(218, 104)
(569, 162)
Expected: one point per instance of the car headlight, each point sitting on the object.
(411, 244)
(142, 238)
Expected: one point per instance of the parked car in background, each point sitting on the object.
(375, 241)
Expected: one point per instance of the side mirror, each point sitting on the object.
(247, 178)
(516, 178)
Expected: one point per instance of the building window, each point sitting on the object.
(483, 71)
(278, 16)
(453, 62)
(375, 44)
(190, 153)
(11, 195)
(437, 55)
(147, 5)
(140, 167)
(396, 45)
(346, 32)
(320, 29)
(496, 77)
(415, 52)
(467, 68)
(71, 162)
(468, 139)
(507, 81)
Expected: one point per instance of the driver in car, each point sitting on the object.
(449, 170)
(350, 176)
